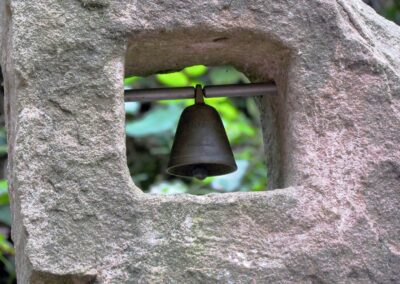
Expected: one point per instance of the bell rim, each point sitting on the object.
(230, 169)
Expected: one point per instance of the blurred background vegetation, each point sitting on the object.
(149, 134)
(389, 9)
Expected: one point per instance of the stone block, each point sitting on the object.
(332, 143)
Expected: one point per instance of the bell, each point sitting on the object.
(201, 147)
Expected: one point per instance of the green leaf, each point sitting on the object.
(155, 122)
(165, 187)
(3, 140)
(240, 131)
(253, 110)
(3, 184)
(132, 107)
(196, 70)
(227, 111)
(225, 75)
(177, 79)
(3, 149)
(5, 214)
(130, 80)
(4, 200)
(231, 182)
(5, 245)
(390, 13)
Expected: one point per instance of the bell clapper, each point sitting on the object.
(200, 173)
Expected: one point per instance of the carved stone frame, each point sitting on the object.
(77, 216)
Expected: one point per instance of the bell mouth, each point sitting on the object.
(201, 170)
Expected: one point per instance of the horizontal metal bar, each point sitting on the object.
(147, 95)
(244, 90)
(155, 94)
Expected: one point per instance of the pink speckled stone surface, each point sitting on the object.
(332, 143)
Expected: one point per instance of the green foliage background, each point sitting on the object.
(150, 129)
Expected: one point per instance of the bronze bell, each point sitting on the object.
(201, 147)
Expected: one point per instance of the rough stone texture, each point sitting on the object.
(332, 139)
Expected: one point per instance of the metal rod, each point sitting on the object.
(258, 89)
(147, 95)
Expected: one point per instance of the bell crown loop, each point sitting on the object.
(199, 94)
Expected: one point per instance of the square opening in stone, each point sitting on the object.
(150, 130)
